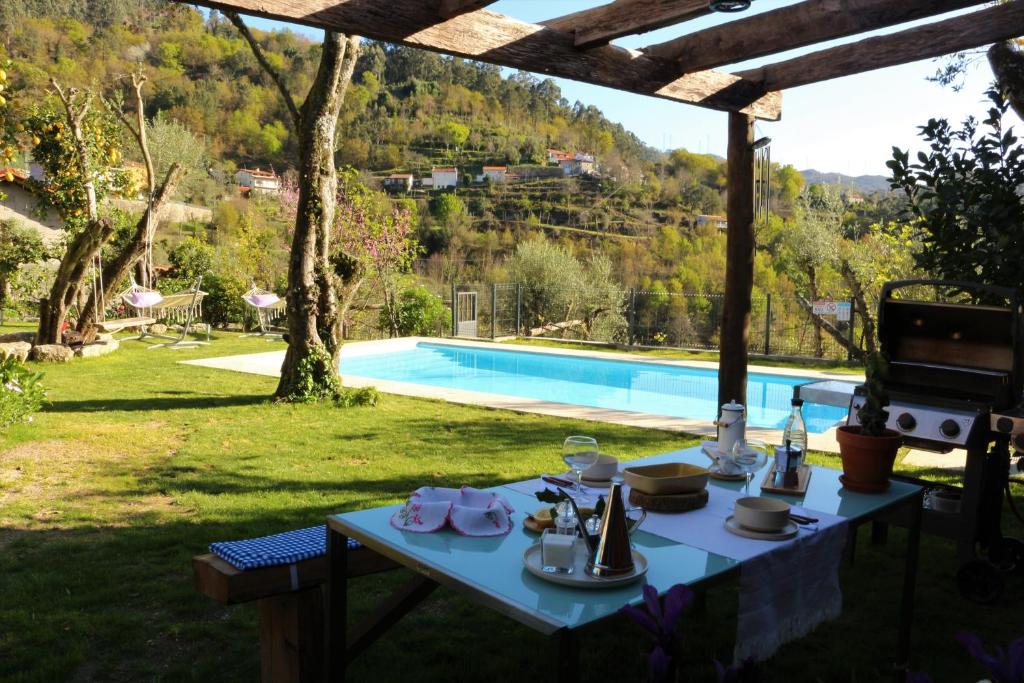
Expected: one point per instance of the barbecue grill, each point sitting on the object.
(956, 381)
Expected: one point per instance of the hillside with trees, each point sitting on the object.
(649, 221)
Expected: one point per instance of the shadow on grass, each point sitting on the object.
(155, 403)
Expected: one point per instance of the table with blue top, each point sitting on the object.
(491, 572)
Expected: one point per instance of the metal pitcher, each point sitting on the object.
(612, 555)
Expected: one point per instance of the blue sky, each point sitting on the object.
(847, 125)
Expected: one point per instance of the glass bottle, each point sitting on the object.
(795, 431)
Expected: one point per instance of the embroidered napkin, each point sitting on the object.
(469, 511)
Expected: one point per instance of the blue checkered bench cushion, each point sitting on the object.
(267, 551)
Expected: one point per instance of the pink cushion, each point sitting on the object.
(263, 300)
(144, 299)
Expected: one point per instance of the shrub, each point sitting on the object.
(223, 303)
(420, 312)
(21, 393)
(191, 258)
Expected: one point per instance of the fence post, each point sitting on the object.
(853, 318)
(494, 310)
(455, 310)
(519, 308)
(632, 316)
(768, 325)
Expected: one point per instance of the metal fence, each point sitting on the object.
(779, 326)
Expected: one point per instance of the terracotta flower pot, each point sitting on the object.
(867, 460)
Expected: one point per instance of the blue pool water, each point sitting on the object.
(597, 383)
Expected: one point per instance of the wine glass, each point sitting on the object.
(750, 457)
(579, 453)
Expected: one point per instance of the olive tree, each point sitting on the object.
(310, 367)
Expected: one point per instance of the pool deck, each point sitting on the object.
(269, 364)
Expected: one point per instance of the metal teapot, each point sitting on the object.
(732, 425)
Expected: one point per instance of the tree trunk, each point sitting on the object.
(833, 331)
(739, 264)
(1007, 64)
(314, 323)
(117, 269)
(69, 278)
(819, 342)
(860, 301)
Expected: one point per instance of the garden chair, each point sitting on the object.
(269, 308)
(182, 308)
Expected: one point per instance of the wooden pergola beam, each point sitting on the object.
(601, 25)
(453, 8)
(490, 37)
(792, 27)
(965, 32)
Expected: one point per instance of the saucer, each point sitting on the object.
(590, 483)
(717, 473)
(789, 531)
(710, 449)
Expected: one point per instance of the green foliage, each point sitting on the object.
(21, 392)
(965, 199)
(419, 312)
(359, 396)
(18, 246)
(191, 258)
(223, 303)
(64, 188)
(872, 414)
(317, 378)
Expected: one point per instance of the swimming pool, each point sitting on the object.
(654, 388)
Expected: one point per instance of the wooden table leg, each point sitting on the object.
(291, 637)
(337, 604)
(909, 587)
(568, 656)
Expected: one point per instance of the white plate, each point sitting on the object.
(789, 531)
(579, 577)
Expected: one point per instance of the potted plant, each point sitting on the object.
(868, 450)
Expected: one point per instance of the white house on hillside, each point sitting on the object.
(496, 174)
(445, 176)
(398, 182)
(720, 222)
(577, 164)
(257, 180)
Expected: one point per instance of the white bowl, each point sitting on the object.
(604, 469)
(762, 514)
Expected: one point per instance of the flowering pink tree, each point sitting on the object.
(384, 243)
(374, 239)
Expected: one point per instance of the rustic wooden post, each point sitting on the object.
(739, 265)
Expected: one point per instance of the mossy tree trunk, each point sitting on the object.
(310, 368)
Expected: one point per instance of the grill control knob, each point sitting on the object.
(906, 422)
(1004, 425)
(949, 428)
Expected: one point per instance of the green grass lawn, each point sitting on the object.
(139, 463)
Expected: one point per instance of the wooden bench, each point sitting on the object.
(291, 605)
